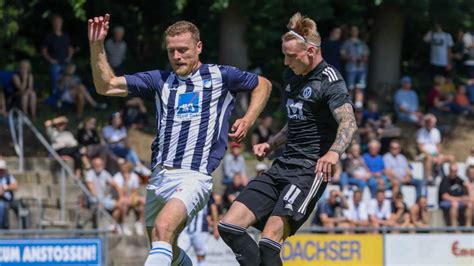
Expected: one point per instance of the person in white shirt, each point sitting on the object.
(101, 185)
(380, 210)
(441, 43)
(428, 139)
(130, 198)
(357, 213)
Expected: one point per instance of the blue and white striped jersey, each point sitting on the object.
(192, 113)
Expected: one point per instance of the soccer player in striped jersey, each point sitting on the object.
(320, 127)
(193, 105)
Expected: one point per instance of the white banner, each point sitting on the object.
(429, 249)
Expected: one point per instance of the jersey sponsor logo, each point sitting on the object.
(295, 109)
(307, 92)
(188, 105)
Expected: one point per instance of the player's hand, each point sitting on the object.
(240, 129)
(261, 150)
(97, 28)
(215, 233)
(326, 165)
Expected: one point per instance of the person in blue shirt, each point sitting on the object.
(376, 167)
(406, 102)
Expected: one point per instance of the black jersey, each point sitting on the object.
(310, 100)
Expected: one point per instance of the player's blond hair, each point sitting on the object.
(181, 27)
(305, 27)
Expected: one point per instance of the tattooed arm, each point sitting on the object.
(261, 150)
(344, 116)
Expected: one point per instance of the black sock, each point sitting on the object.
(243, 246)
(269, 252)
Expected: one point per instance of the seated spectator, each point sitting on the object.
(461, 102)
(8, 185)
(437, 101)
(364, 129)
(134, 113)
(326, 214)
(374, 162)
(419, 215)
(233, 190)
(64, 143)
(470, 88)
(116, 137)
(469, 184)
(130, 198)
(398, 170)
(73, 91)
(454, 198)
(428, 139)
(234, 163)
(372, 115)
(3, 105)
(470, 158)
(262, 133)
(89, 138)
(356, 213)
(387, 132)
(356, 171)
(406, 103)
(400, 215)
(104, 190)
(24, 88)
(380, 210)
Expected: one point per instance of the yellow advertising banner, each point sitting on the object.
(328, 250)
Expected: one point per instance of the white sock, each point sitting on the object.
(161, 254)
(183, 259)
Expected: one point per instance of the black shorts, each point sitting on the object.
(284, 190)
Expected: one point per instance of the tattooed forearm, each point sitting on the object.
(344, 116)
(279, 139)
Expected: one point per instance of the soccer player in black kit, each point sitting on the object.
(320, 127)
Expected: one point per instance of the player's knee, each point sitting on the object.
(229, 231)
(164, 230)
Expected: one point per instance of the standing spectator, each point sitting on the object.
(102, 186)
(356, 214)
(398, 170)
(428, 139)
(356, 171)
(376, 167)
(88, 137)
(262, 133)
(441, 43)
(331, 48)
(419, 214)
(454, 197)
(400, 215)
(130, 198)
(356, 54)
(8, 185)
(135, 114)
(58, 51)
(470, 158)
(24, 88)
(469, 53)
(64, 143)
(406, 102)
(74, 92)
(326, 214)
(234, 163)
(380, 210)
(116, 49)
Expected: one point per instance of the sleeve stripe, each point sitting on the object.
(331, 74)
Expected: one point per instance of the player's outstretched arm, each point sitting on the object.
(261, 150)
(257, 102)
(344, 116)
(105, 81)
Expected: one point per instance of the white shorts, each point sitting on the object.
(191, 187)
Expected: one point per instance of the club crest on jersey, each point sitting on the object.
(307, 92)
(207, 83)
(295, 109)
